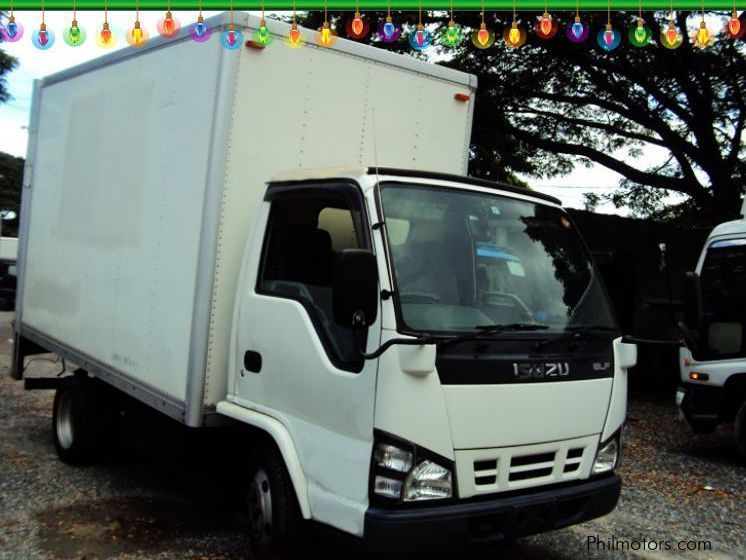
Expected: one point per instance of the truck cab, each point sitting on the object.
(713, 360)
(439, 351)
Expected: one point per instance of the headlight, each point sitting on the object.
(391, 457)
(427, 481)
(607, 455)
(403, 472)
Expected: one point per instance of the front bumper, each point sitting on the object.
(487, 521)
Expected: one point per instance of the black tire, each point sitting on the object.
(276, 525)
(74, 426)
(741, 429)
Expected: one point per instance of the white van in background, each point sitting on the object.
(713, 362)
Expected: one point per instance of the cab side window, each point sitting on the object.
(304, 238)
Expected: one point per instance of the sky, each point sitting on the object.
(34, 64)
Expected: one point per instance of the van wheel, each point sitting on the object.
(741, 429)
(275, 521)
(73, 422)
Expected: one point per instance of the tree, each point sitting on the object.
(551, 105)
(11, 180)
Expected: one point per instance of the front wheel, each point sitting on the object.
(741, 429)
(275, 521)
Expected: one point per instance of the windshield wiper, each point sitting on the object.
(575, 331)
(487, 330)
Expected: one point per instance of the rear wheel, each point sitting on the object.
(741, 429)
(73, 422)
(275, 521)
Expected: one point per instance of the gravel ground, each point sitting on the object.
(677, 487)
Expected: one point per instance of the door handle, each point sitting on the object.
(252, 361)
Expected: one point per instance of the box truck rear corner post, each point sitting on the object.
(403, 353)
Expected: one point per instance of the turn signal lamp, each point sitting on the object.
(696, 376)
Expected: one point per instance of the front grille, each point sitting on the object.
(482, 471)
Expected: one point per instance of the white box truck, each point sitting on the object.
(713, 359)
(410, 357)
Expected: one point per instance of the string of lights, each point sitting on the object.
(358, 26)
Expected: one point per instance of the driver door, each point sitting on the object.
(295, 362)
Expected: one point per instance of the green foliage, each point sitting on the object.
(11, 181)
(550, 106)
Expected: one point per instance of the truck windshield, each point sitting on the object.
(462, 259)
(723, 278)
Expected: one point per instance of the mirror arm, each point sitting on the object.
(358, 327)
(689, 337)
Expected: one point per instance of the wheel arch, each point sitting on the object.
(277, 432)
(734, 395)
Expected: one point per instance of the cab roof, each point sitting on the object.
(354, 171)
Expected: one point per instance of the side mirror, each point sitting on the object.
(355, 287)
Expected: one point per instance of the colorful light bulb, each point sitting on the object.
(420, 39)
(578, 31)
(640, 35)
(703, 35)
(105, 34)
(452, 35)
(231, 38)
(514, 35)
(137, 35)
(13, 30)
(609, 35)
(200, 32)
(545, 25)
(262, 35)
(672, 34)
(357, 24)
(294, 36)
(640, 32)
(43, 38)
(483, 36)
(734, 24)
(168, 26)
(357, 27)
(608, 38)
(325, 37)
(74, 35)
(388, 28)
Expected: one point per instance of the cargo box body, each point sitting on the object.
(144, 171)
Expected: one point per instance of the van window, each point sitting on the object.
(303, 241)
